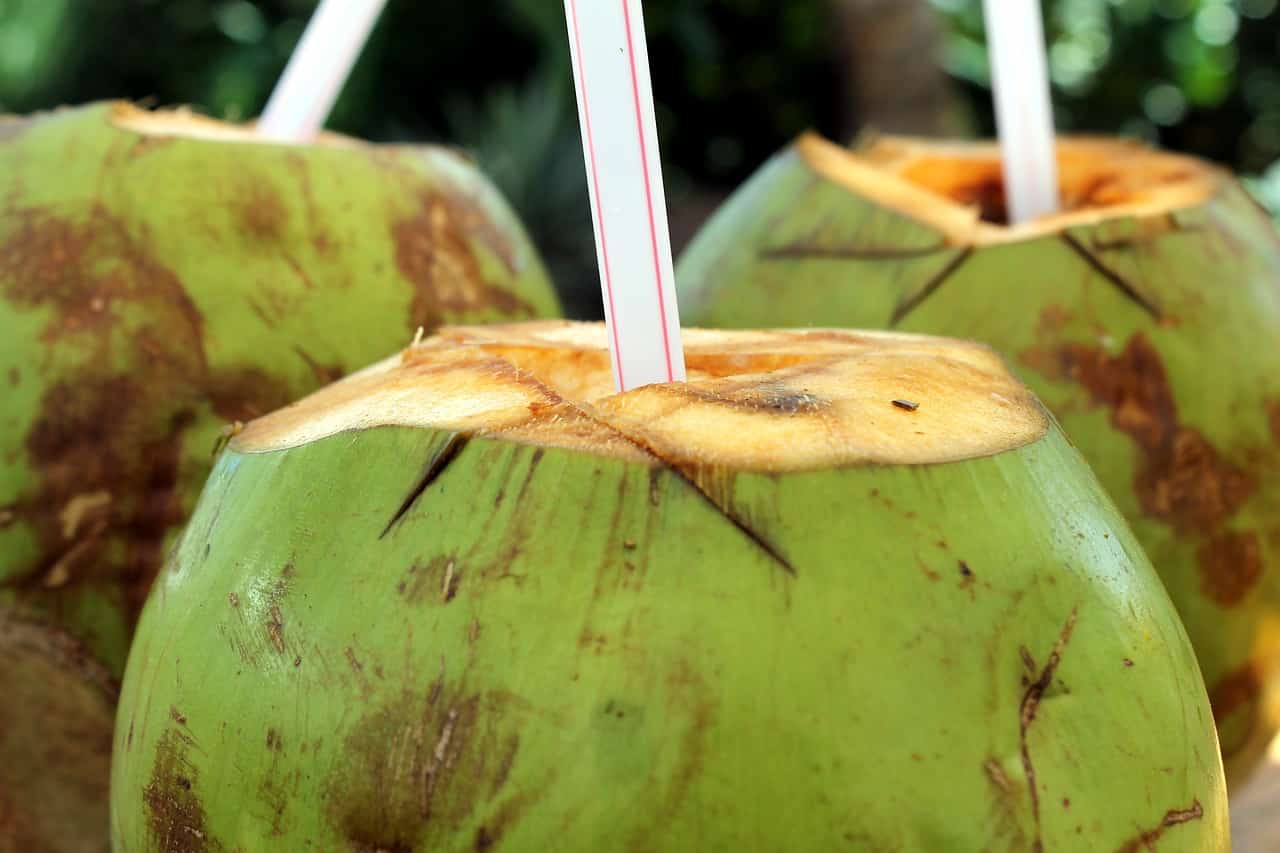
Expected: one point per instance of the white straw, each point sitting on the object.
(624, 176)
(318, 69)
(1024, 112)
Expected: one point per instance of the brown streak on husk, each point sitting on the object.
(415, 770)
(1230, 567)
(99, 428)
(1273, 419)
(437, 579)
(1027, 715)
(260, 212)
(175, 815)
(1147, 840)
(1184, 481)
(325, 374)
(435, 252)
(1237, 692)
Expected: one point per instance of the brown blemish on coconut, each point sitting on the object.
(175, 815)
(1273, 418)
(260, 213)
(245, 394)
(416, 770)
(99, 429)
(1184, 480)
(277, 788)
(274, 603)
(1032, 697)
(258, 630)
(86, 271)
(437, 580)
(275, 628)
(92, 437)
(691, 698)
(324, 373)
(1236, 698)
(1230, 567)
(434, 251)
(1147, 839)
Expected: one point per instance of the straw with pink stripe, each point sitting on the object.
(624, 177)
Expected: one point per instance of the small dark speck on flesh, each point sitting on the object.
(906, 405)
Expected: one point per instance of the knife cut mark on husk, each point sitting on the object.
(439, 462)
(1122, 284)
(912, 301)
(801, 251)
(690, 479)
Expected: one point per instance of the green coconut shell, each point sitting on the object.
(162, 276)
(1147, 318)
(496, 619)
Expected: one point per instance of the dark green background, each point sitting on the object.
(734, 80)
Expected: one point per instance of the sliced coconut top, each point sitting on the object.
(958, 188)
(766, 401)
(183, 123)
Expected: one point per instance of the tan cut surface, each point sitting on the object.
(767, 401)
(185, 124)
(958, 188)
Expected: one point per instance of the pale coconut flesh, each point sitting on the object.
(1144, 315)
(161, 276)
(838, 589)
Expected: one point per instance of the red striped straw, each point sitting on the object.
(624, 176)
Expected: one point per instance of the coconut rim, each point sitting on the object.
(766, 401)
(877, 171)
(183, 122)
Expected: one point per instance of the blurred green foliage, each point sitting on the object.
(1193, 75)
(734, 80)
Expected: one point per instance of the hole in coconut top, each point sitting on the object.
(959, 189)
(184, 124)
(772, 401)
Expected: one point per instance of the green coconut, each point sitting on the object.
(1146, 316)
(839, 590)
(161, 276)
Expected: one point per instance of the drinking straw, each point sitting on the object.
(1024, 113)
(318, 69)
(624, 177)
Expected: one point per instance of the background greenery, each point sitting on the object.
(734, 80)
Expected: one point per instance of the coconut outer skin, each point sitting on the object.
(154, 289)
(406, 638)
(1151, 335)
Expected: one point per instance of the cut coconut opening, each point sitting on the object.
(182, 123)
(958, 188)
(769, 401)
